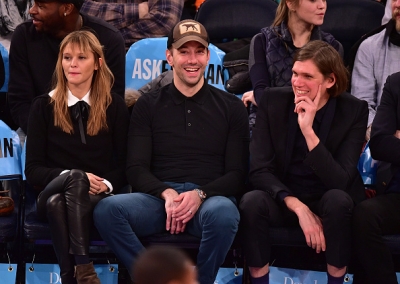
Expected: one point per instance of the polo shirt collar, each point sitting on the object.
(199, 98)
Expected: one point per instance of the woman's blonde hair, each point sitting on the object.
(100, 92)
(282, 12)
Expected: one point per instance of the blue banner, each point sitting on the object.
(146, 60)
(4, 54)
(50, 273)
(367, 166)
(279, 275)
(229, 276)
(23, 160)
(10, 153)
(8, 273)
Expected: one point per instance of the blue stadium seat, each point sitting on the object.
(10, 178)
(145, 60)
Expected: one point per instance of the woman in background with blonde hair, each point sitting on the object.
(296, 23)
(76, 150)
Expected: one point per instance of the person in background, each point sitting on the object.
(378, 56)
(296, 23)
(388, 12)
(34, 52)
(164, 265)
(379, 216)
(187, 161)
(137, 19)
(76, 150)
(303, 168)
(12, 13)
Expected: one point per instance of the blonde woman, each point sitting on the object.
(76, 150)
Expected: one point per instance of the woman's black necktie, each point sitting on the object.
(80, 112)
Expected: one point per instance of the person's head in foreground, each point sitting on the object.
(318, 65)
(164, 265)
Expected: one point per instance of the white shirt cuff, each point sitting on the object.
(110, 187)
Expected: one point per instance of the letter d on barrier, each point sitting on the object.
(288, 280)
(54, 278)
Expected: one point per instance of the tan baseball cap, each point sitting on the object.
(187, 30)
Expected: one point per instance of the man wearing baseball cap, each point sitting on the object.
(34, 50)
(187, 161)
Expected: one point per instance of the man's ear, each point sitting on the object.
(168, 55)
(331, 80)
(67, 9)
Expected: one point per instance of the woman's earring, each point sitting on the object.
(65, 14)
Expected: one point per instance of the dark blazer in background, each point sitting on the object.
(333, 161)
(384, 145)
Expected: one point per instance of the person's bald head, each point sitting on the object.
(56, 17)
(164, 265)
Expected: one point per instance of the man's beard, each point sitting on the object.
(395, 17)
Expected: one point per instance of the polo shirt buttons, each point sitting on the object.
(189, 111)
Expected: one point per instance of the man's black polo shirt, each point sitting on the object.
(202, 139)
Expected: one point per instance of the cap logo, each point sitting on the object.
(189, 27)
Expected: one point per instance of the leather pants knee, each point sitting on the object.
(68, 207)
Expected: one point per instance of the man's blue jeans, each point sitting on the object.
(122, 219)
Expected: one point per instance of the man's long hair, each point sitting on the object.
(328, 61)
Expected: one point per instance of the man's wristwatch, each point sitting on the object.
(201, 194)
